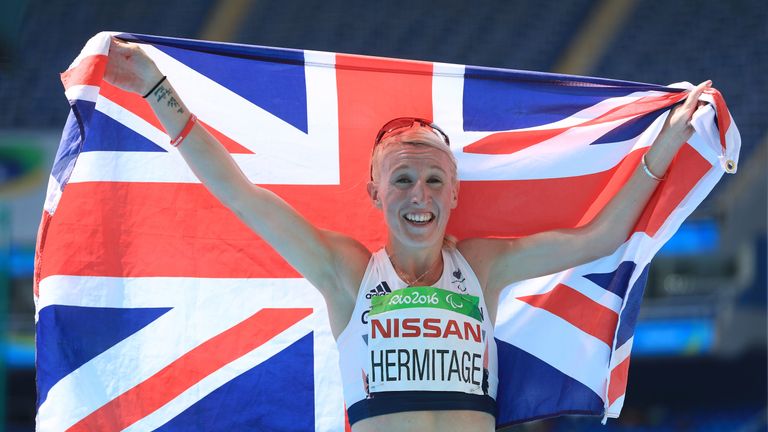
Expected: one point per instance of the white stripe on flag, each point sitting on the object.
(554, 341)
(566, 155)
(615, 408)
(622, 353)
(97, 45)
(589, 289)
(52, 195)
(313, 157)
(82, 92)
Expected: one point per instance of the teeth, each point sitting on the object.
(419, 217)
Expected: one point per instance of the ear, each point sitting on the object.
(373, 192)
(455, 195)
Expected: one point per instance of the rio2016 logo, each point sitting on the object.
(413, 298)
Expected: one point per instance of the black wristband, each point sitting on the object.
(156, 86)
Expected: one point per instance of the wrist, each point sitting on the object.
(648, 170)
(664, 149)
(674, 134)
(151, 81)
(154, 87)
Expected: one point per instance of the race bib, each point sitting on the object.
(426, 339)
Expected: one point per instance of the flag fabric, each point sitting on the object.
(157, 309)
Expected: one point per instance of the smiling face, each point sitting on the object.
(415, 186)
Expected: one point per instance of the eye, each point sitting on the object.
(403, 180)
(435, 180)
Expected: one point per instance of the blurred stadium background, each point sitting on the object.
(699, 359)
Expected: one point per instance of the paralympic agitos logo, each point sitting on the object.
(454, 304)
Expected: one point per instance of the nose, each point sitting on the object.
(420, 193)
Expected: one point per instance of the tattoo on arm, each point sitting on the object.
(163, 92)
(172, 103)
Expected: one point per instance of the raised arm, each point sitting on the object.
(332, 262)
(500, 262)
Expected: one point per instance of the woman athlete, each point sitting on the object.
(425, 386)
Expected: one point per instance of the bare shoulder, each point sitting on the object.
(481, 249)
(347, 261)
(481, 254)
(351, 260)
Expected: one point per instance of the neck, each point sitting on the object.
(422, 266)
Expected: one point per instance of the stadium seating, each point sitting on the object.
(662, 42)
(666, 42)
(49, 42)
(498, 34)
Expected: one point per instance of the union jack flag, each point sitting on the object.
(157, 309)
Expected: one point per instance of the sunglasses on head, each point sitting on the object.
(407, 122)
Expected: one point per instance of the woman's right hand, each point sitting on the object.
(130, 68)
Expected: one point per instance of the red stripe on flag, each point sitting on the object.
(392, 69)
(372, 92)
(167, 229)
(161, 229)
(42, 235)
(189, 369)
(642, 106)
(347, 427)
(686, 170)
(89, 71)
(132, 102)
(517, 208)
(231, 145)
(618, 385)
(620, 176)
(723, 115)
(510, 142)
(577, 309)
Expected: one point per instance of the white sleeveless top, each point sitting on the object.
(418, 348)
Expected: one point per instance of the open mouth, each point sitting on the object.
(422, 218)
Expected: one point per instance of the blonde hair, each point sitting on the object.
(449, 242)
(412, 136)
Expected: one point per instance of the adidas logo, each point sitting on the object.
(380, 290)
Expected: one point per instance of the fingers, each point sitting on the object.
(701, 87)
(678, 123)
(692, 100)
(121, 47)
(120, 42)
(117, 49)
(115, 43)
(121, 70)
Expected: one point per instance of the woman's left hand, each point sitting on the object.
(677, 128)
